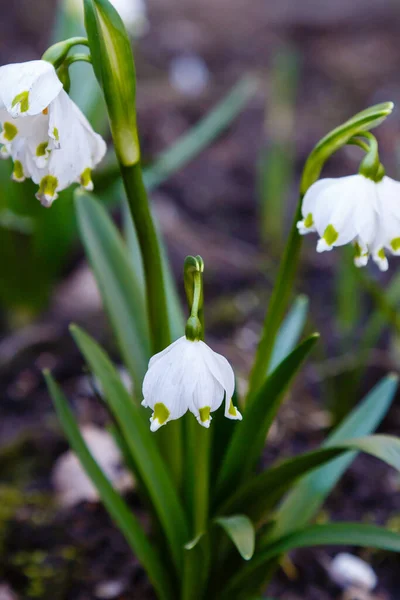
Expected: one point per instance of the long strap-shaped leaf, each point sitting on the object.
(254, 498)
(249, 437)
(304, 501)
(289, 332)
(119, 285)
(119, 511)
(141, 443)
(354, 534)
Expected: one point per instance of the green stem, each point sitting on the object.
(277, 305)
(198, 446)
(151, 256)
(169, 439)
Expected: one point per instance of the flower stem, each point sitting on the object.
(151, 256)
(277, 305)
(169, 440)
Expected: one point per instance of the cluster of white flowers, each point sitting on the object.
(188, 375)
(45, 133)
(355, 209)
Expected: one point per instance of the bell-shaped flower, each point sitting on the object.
(357, 210)
(45, 133)
(188, 375)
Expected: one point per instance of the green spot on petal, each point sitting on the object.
(9, 131)
(232, 410)
(330, 235)
(86, 179)
(308, 221)
(161, 413)
(56, 134)
(205, 413)
(395, 244)
(48, 186)
(381, 254)
(23, 100)
(41, 149)
(18, 171)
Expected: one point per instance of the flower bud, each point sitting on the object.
(115, 71)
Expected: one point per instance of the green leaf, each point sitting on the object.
(304, 501)
(119, 511)
(289, 332)
(353, 534)
(262, 492)
(119, 286)
(258, 416)
(241, 531)
(141, 443)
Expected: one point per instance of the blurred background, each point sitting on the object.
(308, 66)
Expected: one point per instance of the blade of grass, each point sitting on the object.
(119, 286)
(308, 495)
(119, 511)
(141, 443)
(241, 457)
(353, 534)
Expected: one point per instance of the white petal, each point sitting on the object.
(219, 367)
(336, 208)
(231, 411)
(206, 397)
(77, 148)
(388, 235)
(361, 253)
(182, 341)
(311, 197)
(168, 384)
(28, 88)
(380, 259)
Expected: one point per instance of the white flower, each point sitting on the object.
(188, 376)
(358, 210)
(44, 131)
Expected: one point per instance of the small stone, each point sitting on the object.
(349, 571)
(189, 74)
(106, 590)
(69, 479)
(6, 592)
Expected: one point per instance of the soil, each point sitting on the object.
(349, 58)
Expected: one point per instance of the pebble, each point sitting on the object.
(189, 74)
(69, 479)
(347, 570)
(106, 590)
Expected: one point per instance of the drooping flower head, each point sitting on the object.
(357, 210)
(45, 133)
(188, 375)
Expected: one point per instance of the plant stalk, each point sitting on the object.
(151, 256)
(277, 305)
